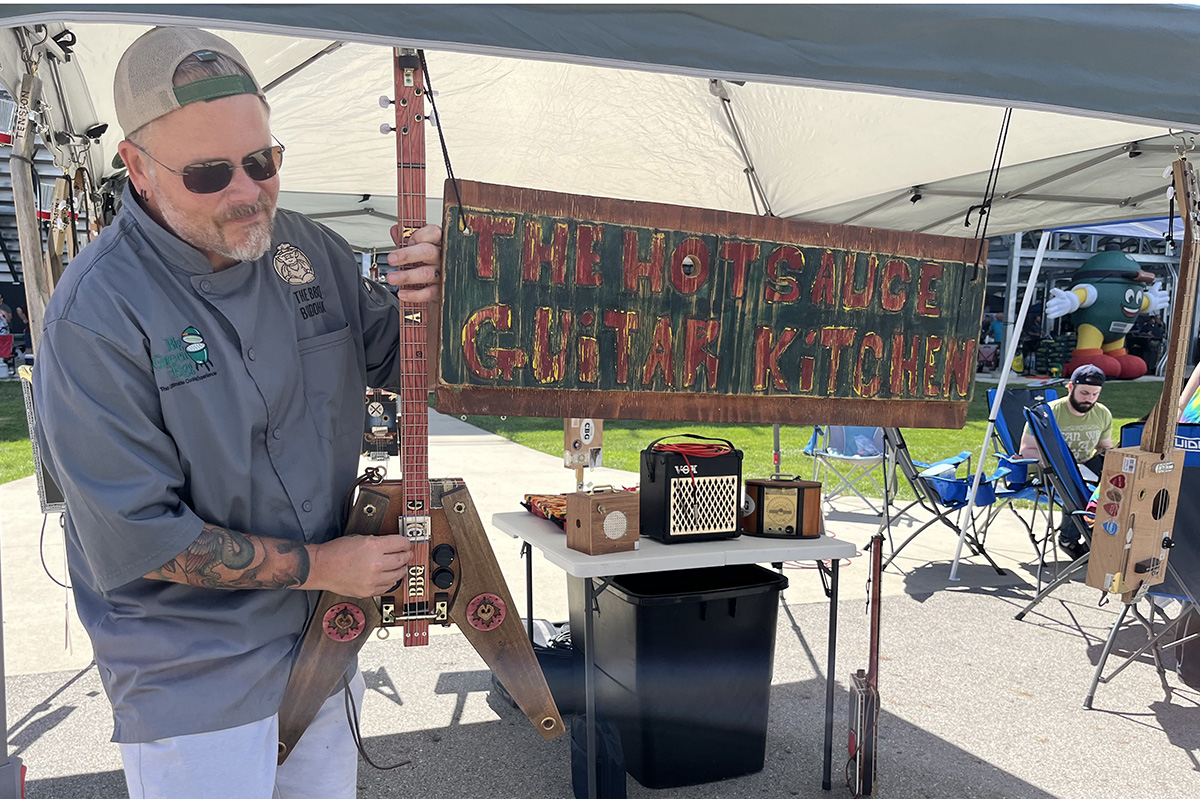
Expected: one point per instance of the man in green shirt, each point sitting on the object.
(1086, 426)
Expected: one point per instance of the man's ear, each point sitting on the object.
(137, 164)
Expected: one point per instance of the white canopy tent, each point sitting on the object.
(844, 113)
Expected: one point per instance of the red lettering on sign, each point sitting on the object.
(589, 359)
(853, 298)
(825, 284)
(766, 357)
(586, 257)
(662, 354)
(537, 253)
(926, 295)
(698, 334)
(741, 253)
(872, 344)
(689, 266)
(893, 272)
(807, 364)
(487, 228)
(960, 365)
(635, 270)
(933, 346)
(836, 339)
(780, 287)
(624, 322)
(904, 368)
(506, 360)
(547, 367)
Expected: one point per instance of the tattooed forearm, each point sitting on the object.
(221, 558)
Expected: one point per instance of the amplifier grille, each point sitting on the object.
(700, 505)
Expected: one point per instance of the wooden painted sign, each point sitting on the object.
(565, 305)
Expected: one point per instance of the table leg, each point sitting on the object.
(589, 683)
(830, 676)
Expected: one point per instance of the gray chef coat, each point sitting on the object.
(171, 395)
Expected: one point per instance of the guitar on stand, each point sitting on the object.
(453, 575)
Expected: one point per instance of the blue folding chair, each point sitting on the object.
(1067, 486)
(850, 453)
(1021, 482)
(941, 490)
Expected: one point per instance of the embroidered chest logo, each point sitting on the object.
(292, 265)
(186, 358)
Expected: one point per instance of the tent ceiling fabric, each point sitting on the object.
(845, 108)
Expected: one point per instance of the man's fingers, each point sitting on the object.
(421, 252)
(415, 276)
(430, 234)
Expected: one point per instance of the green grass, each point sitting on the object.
(16, 454)
(624, 440)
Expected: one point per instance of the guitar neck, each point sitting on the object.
(1159, 435)
(414, 389)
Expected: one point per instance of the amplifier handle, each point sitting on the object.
(650, 446)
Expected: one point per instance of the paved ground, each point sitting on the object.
(975, 704)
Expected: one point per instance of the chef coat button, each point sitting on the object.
(307, 506)
(250, 353)
(206, 286)
(277, 433)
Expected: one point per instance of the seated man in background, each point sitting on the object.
(1086, 426)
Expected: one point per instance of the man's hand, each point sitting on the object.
(359, 565)
(420, 274)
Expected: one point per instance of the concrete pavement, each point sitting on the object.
(974, 703)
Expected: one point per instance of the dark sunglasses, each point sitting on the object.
(210, 177)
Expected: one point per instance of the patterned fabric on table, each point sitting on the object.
(548, 506)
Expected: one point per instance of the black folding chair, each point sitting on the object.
(1067, 485)
(940, 490)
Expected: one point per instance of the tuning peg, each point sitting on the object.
(385, 101)
(385, 129)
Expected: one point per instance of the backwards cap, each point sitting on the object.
(143, 86)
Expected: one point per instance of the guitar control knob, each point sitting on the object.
(443, 578)
(443, 555)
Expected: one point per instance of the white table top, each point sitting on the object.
(654, 556)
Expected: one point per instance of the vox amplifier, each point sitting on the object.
(782, 507)
(689, 491)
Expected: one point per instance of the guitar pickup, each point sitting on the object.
(1148, 565)
(416, 610)
(387, 610)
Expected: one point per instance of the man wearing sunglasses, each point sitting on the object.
(200, 384)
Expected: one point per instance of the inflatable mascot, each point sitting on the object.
(1107, 293)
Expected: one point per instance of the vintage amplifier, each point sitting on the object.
(782, 507)
(599, 522)
(1135, 515)
(689, 491)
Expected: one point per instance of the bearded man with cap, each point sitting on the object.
(200, 384)
(1086, 426)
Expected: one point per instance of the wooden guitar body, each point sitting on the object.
(467, 589)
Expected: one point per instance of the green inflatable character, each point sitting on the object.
(1107, 293)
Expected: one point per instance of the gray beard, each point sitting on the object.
(209, 237)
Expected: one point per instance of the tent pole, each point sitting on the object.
(1011, 330)
(966, 516)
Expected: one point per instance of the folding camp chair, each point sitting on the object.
(850, 453)
(1183, 569)
(940, 490)
(1068, 488)
(1021, 482)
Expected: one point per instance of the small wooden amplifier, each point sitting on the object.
(1135, 515)
(782, 507)
(600, 522)
(690, 492)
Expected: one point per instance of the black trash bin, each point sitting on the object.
(683, 667)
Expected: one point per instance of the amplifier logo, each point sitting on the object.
(1163, 468)
(688, 468)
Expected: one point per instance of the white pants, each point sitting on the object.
(240, 763)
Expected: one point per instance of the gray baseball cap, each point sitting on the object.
(143, 88)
